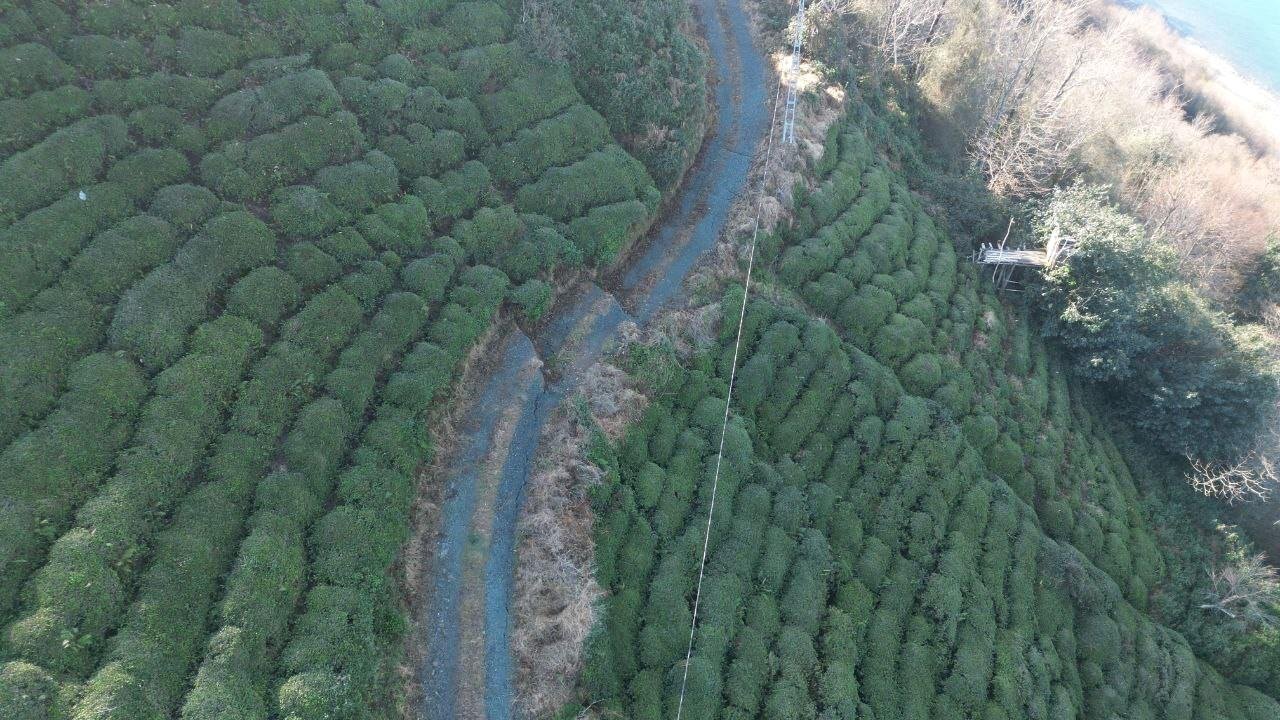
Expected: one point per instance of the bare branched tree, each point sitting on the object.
(1251, 478)
(1029, 66)
(907, 28)
(1245, 588)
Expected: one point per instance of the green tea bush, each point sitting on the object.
(148, 170)
(277, 103)
(177, 591)
(302, 211)
(249, 170)
(205, 53)
(188, 94)
(560, 140)
(29, 119)
(538, 95)
(118, 257)
(456, 194)
(71, 157)
(31, 67)
(603, 177)
(647, 76)
(429, 277)
(403, 227)
(42, 343)
(174, 428)
(264, 295)
(358, 186)
(606, 230)
(99, 56)
(48, 472)
(185, 206)
(39, 244)
(153, 317)
(475, 23)
(424, 151)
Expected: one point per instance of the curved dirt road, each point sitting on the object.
(468, 670)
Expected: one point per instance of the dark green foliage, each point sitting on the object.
(49, 471)
(456, 193)
(423, 151)
(538, 95)
(403, 227)
(148, 170)
(644, 74)
(606, 230)
(188, 94)
(603, 177)
(114, 259)
(175, 426)
(265, 295)
(1262, 282)
(27, 120)
(1198, 382)
(69, 158)
(533, 298)
(307, 264)
(249, 170)
(186, 207)
(272, 105)
(357, 186)
(204, 52)
(560, 140)
(907, 456)
(302, 211)
(30, 67)
(101, 56)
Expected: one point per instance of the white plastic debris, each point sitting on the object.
(83, 196)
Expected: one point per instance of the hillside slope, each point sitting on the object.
(919, 516)
(248, 247)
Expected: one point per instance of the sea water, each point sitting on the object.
(1245, 32)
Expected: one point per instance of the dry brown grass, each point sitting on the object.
(556, 594)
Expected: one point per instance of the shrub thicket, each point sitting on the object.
(1197, 382)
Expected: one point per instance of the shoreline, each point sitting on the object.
(1251, 105)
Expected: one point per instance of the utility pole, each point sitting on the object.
(789, 114)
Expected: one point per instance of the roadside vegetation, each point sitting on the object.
(248, 247)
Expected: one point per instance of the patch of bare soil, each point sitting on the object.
(555, 602)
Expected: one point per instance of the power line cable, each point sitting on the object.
(733, 372)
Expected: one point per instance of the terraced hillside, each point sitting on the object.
(919, 516)
(247, 248)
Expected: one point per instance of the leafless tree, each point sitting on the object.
(1029, 64)
(907, 28)
(1246, 588)
(1251, 478)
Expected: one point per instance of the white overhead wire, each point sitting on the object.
(724, 426)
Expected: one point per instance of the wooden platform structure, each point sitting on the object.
(1004, 261)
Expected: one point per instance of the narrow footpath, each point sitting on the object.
(467, 669)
